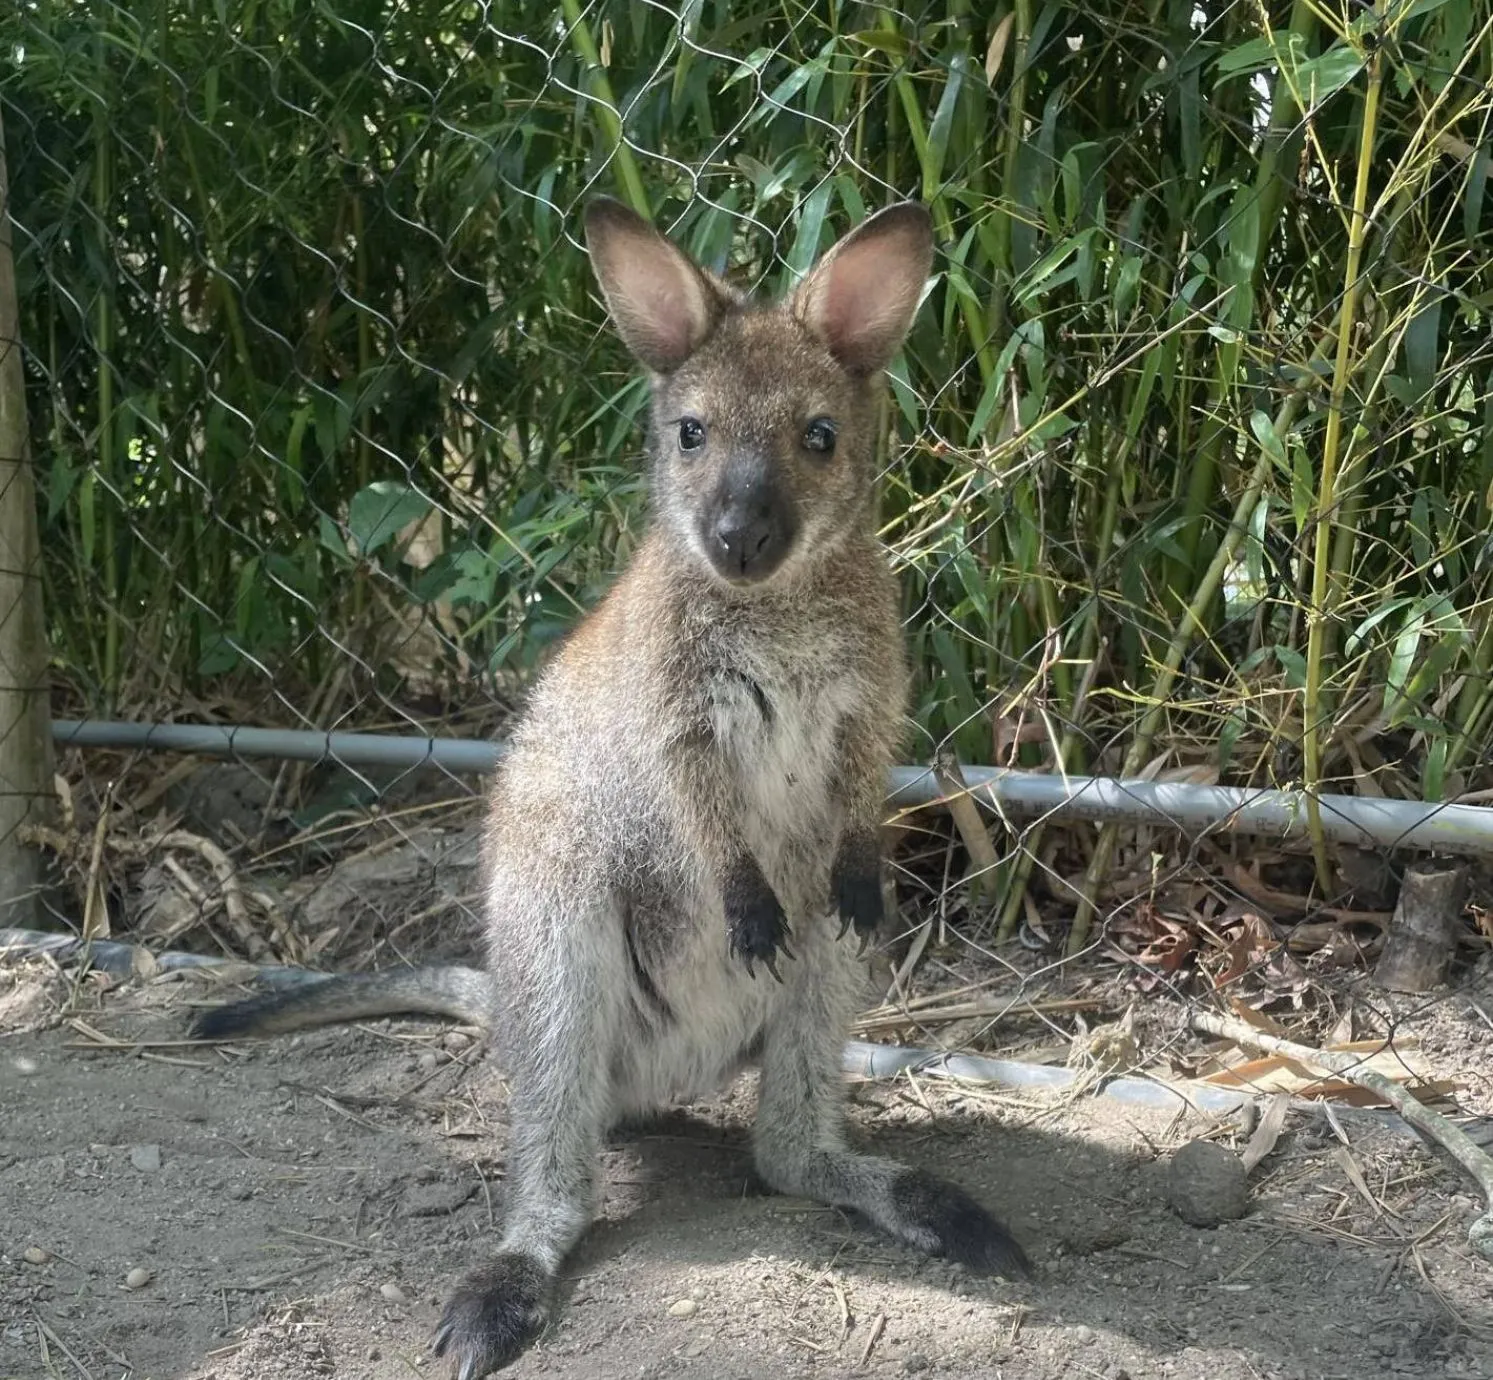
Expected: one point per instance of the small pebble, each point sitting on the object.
(683, 1308)
(428, 1061)
(25, 1065)
(146, 1158)
(1084, 1336)
(455, 1041)
(137, 1278)
(34, 1255)
(393, 1293)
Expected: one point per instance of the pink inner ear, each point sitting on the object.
(864, 298)
(670, 317)
(856, 301)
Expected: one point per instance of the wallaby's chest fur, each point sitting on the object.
(666, 682)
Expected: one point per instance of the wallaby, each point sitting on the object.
(691, 803)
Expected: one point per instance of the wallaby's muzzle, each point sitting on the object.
(749, 528)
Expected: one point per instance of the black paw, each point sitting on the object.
(944, 1220)
(495, 1313)
(755, 922)
(856, 884)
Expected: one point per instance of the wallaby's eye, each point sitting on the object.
(819, 435)
(691, 434)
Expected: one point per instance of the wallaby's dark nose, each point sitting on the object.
(750, 530)
(744, 538)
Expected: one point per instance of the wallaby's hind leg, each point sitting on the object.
(557, 1059)
(800, 1139)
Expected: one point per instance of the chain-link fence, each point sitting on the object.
(1189, 471)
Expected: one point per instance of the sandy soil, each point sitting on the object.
(302, 1206)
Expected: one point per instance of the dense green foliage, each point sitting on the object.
(1193, 452)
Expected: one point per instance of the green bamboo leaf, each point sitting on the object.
(380, 511)
(1293, 664)
(943, 124)
(891, 41)
(689, 29)
(1043, 275)
(810, 226)
(1126, 288)
(1420, 529)
(1247, 58)
(1319, 77)
(779, 100)
(1433, 773)
(1265, 433)
(1149, 371)
(956, 675)
(1403, 657)
(1356, 637)
(1422, 345)
(1472, 201)
(1229, 733)
(1303, 488)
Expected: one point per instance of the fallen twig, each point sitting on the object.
(1450, 1137)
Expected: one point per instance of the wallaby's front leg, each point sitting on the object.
(800, 1144)
(756, 924)
(855, 879)
(558, 1068)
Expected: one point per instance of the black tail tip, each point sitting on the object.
(227, 1022)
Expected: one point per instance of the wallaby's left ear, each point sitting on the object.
(663, 306)
(860, 298)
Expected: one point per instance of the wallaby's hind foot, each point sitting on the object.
(494, 1315)
(940, 1219)
(909, 1205)
(800, 1145)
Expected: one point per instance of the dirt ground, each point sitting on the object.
(299, 1208)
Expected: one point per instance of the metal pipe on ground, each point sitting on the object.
(860, 1059)
(1464, 830)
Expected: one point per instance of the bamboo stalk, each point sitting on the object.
(1316, 701)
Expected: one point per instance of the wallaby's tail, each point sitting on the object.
(465, 994)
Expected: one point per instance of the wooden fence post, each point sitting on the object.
(25, 713)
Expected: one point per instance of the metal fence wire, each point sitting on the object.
(1189, 468)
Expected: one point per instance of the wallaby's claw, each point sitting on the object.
(856, 886)
(755, 921)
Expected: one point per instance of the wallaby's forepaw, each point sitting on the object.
(943, 1220)
(856, 884)
(755, 922)
(493, 1316)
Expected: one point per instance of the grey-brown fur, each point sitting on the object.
(690, 806)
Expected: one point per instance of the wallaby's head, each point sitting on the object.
(763, 417)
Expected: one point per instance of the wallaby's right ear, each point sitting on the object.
(860, 298)
(663, 306)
